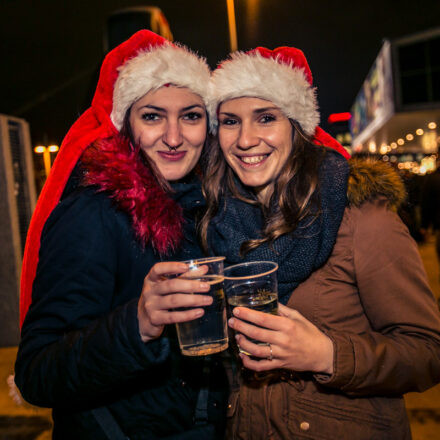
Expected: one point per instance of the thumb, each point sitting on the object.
(293, 315)
(290, 313)
(287, 312)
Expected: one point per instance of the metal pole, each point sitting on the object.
(46, 159)
(232, 25)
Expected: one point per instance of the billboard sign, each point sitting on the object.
(374, 104)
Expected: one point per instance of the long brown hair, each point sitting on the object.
(295, 196)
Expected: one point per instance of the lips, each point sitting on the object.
(172, 156)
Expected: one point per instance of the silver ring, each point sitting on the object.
(271, 353)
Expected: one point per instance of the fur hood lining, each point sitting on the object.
(372, 178)
(114, 166)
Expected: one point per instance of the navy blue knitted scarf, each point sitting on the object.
(298, 254)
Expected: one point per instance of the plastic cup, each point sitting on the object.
(253, 285)
(208, 334)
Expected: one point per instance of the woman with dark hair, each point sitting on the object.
(121, 198)
(357, 326)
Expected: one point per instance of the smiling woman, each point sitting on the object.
(256, 140)
(169, 125)
(116, 215)
(357, 325)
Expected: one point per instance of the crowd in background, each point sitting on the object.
(421, 210)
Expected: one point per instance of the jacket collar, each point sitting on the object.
(369, 179)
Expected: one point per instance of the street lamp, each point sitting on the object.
(45, 151)
(232, 25)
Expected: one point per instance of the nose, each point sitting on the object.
(247, 137)
(172, 136)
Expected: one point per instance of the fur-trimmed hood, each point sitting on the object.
(98, 122)
(372, 178)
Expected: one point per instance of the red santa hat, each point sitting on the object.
(281, 76)
(143, 63)
(151, 69)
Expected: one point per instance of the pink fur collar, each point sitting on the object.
(113, 166)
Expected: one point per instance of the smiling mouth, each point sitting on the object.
(253, 160)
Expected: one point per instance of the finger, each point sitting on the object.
(165, 317)
(256, 365)
(262, 351)
(287, 312)
(197, 271)
(181, 300)
(266, 320)
(251, 331)
(178, 285)
(165, 268)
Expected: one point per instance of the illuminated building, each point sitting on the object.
(397, 111)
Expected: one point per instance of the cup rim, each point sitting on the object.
(250, 263)
(204, 260)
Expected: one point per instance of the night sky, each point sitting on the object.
(51, 49)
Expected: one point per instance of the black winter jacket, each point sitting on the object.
(80, 345)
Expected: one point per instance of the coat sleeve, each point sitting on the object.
(401, 353)
(76, 345)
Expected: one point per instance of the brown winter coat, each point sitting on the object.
(373, 300)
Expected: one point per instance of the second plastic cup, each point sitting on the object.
(253, 285)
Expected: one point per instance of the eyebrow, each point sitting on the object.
(256, 111)
(160, 109)
(265, 109)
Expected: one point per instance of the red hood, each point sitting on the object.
(92, 125)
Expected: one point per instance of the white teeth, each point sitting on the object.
(252, 159)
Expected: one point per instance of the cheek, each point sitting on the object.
(195, 136)
(136, 130)
(134, 127)
(225, 139)
(281, 136)
(146, 137)
(195, 157)
(284, 142)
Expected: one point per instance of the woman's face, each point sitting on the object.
(256, 139)
(170, 126)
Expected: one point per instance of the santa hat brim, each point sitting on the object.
(252, 75)
(151, 69)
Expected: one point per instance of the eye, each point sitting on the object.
(267, 118)
(193, 116)
(228, 121)
(150, 116)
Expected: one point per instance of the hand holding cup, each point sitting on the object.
(290, 341)
(167, 300)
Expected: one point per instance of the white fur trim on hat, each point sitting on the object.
(152, 68)
(252, 75)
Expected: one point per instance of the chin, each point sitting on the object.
(171, 177)
(253, 183)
